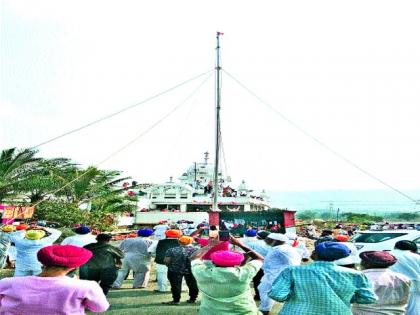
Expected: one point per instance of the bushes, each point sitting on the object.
(68, 215)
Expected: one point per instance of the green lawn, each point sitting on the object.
(144, 301)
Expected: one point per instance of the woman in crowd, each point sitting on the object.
(51, 292)
(225, 280)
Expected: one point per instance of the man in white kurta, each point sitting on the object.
(27, 247)
(82, 237)
(279, 257)
(408, 263)
(391, 288)
(136, 258)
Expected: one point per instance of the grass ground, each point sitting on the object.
(144, 301)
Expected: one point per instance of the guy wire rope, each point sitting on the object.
(324, 145)
(151, 127)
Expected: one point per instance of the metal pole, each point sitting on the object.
(217, 149)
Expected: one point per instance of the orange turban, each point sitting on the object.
(185, 240)
(173, 233)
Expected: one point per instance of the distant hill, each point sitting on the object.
(372, 201)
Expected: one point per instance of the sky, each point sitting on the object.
(345, 72)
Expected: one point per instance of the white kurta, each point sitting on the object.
(26, 251)
(408, 264)
(278, 258)
(392, 289)
(138, 259)
(79, 240)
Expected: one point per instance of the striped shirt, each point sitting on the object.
(321, 288)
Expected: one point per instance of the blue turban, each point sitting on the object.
(251, 233)
(83, 229)
(144, 232)
(331, 251)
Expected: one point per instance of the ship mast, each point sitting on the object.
(217, 149)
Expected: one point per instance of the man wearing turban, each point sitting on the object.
(408, 263)
(5, 243)
(52, 292)
(82, 237)
(322, 287)
(159, 249)
(103, 265)
(280, 256)
(392, 288)
(225, 280)
(28, 243)
(137, 258)
(179, 267)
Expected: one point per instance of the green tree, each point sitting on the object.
(15, 167)
(326, 216)
(306, 215)
(409, 216)
(65, 213)
(49, 176)
(360, 217)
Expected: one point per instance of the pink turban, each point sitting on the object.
(64, 255)
(219, 247)
(225, 258)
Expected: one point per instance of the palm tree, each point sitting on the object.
(49, 176)
(15, 167)
(100, 189)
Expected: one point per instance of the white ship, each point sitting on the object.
(194, 192)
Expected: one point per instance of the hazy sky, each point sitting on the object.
(346, 71)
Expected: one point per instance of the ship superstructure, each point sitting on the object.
(194, 192)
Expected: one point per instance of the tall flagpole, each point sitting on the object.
(217, 149)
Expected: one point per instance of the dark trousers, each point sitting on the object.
(256, 281)
(175, 279)
(105, 277)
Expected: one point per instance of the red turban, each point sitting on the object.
(378, 259)
(64, 255)
(21, 227)
(173, 233)
(342, 238)
(225, 258)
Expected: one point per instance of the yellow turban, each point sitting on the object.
(34, 234)
(185, 240)
(8, 228)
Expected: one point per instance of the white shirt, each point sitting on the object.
(392, 289)
(408, 264)
(301, 248)
(279, 258)
(160, 231)
(353, 258)
(260, 246)
(79, 240)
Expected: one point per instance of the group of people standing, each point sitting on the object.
(220, 269)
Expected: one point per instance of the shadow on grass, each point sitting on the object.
(129, 293)
(121, 306)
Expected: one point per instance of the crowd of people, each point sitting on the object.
(229, 275)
